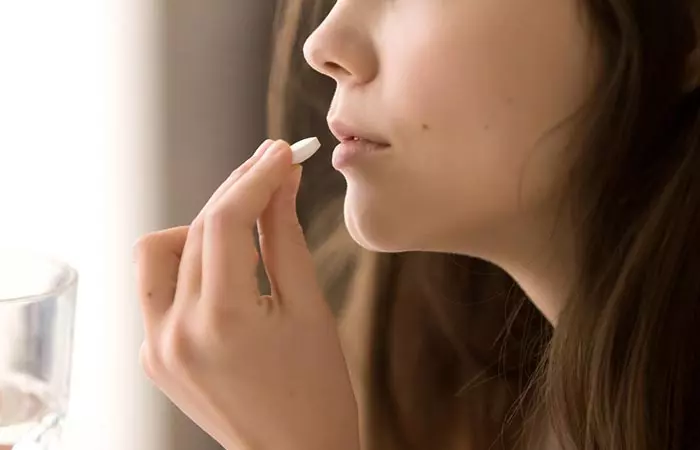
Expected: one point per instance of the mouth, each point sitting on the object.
(355, 145)
(348, 133)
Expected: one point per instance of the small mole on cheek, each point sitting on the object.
(509, 100)
(487, 126)
(425, 127)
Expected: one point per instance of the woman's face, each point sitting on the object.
(470, 96)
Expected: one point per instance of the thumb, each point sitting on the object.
(284, 252)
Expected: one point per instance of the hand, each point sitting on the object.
(255, 372)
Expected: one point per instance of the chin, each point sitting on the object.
(377, 229)
(386, 226)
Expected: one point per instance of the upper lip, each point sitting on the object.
(346, 132)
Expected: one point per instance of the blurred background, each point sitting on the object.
(120, 117)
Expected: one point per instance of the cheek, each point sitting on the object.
(457, 118)
(462, 141)
(470, 107)
(454, 170)
(496, 76)
(487, 92)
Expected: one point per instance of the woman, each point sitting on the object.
(555, 139)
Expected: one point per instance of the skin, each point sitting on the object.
(231, 359)
(475, 164)
(467, 94)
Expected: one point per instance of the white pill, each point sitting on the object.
(304, 149)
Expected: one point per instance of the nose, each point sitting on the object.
(342, 48)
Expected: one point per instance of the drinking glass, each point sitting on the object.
(37, 311)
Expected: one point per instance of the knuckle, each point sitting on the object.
(222, 218)
(214, 323)
(175, 350)
(154, 242)
(212, 337)
(240, 170)
(149, 361)
(197, 225)
(217, 217)
(145, 245)
(217, 326)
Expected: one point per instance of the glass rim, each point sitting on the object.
(68, 282)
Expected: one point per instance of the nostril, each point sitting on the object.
(335, 69)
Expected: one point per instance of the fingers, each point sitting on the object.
(190, 273)
(229, 256)
(287, 259)
(191, 265)
(235, 175)
(157, 258)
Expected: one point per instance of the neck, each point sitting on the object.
(540, 256)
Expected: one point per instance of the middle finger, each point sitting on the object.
(190, 271)
(235, 175)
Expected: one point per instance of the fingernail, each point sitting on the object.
(264, 147)
(297, 169)
(274, 150)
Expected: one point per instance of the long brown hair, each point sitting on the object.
(445, 349)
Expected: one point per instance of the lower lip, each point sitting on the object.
(349, 152)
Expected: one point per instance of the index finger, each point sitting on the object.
(235, 175)
(229, 258)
